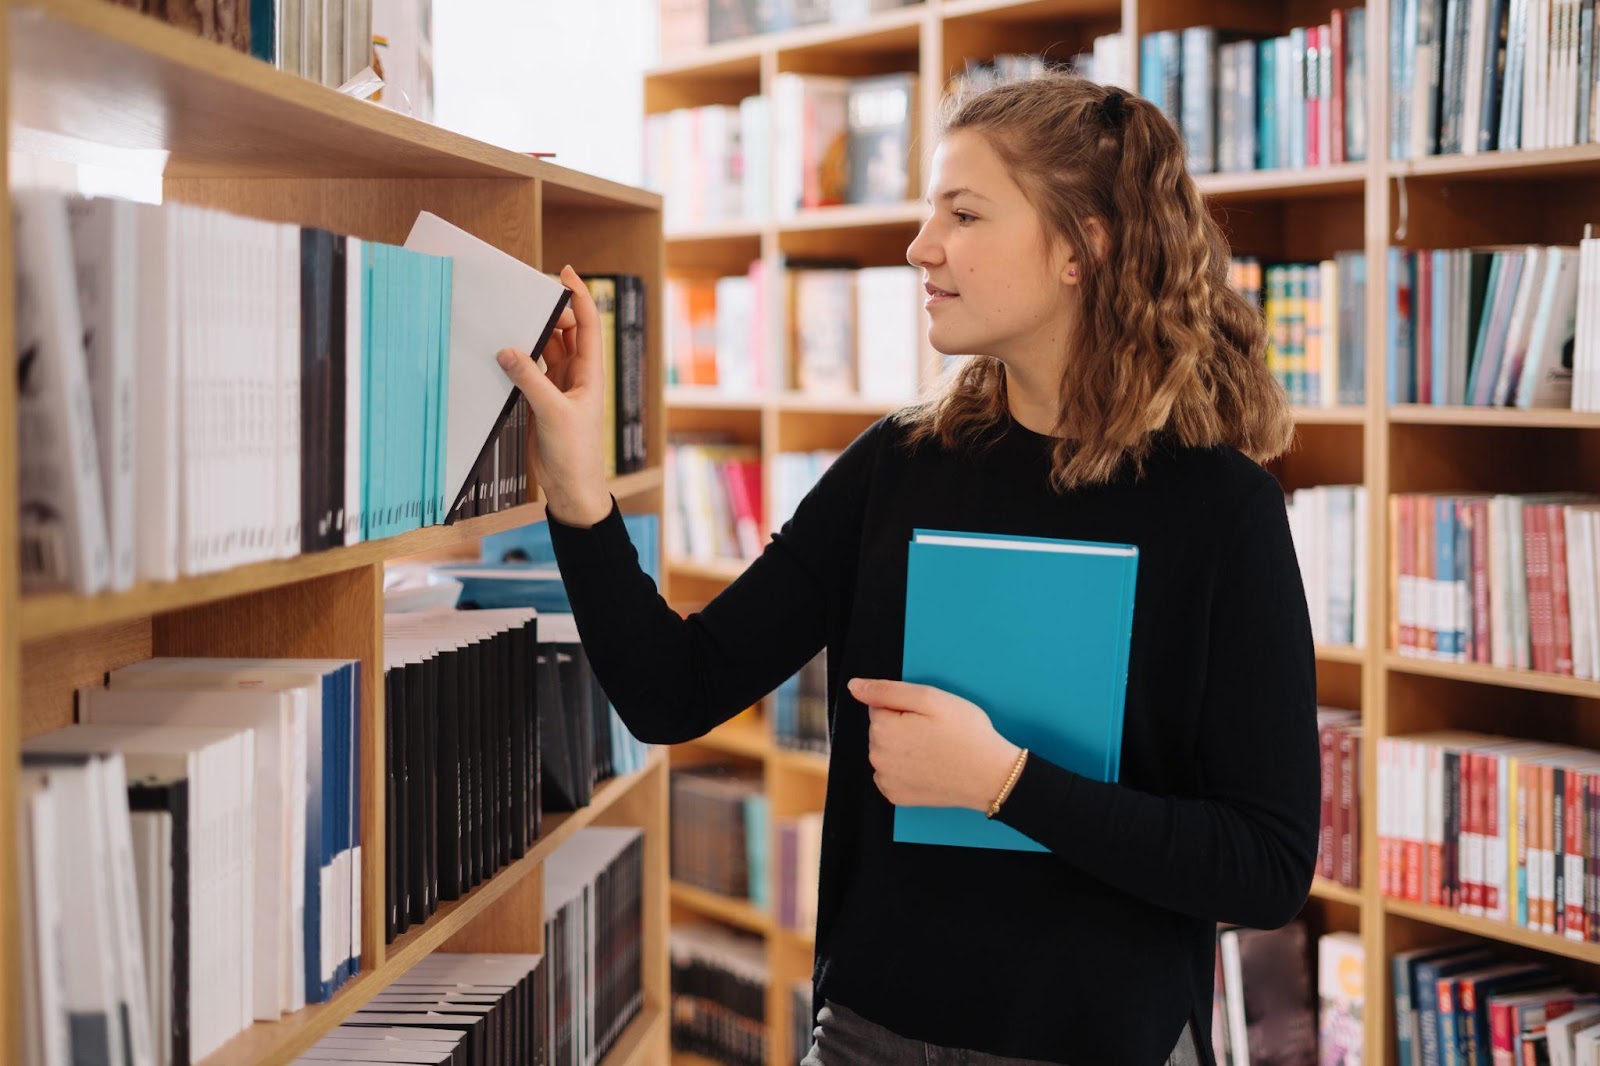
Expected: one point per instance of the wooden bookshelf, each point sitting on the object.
(241, 136)
(1514, 197)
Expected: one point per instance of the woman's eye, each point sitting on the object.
(963, 218)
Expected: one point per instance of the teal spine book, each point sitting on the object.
(1034, 630)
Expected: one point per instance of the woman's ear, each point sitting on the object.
(1072, 265)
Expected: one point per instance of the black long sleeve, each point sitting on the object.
(1100, 950)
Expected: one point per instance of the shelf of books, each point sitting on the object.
(299, 747)
(1406, 187)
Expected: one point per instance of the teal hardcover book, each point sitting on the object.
(1035, 631)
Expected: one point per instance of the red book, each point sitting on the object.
(1336, 28)
(1350, 807)
(1560, 604)
(1471, 836)
(1577, 824)
(1327, 841)
(1313, 101)
(1405, 561)
(1489, 819)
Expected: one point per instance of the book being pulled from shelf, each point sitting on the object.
(460, 1009)
(1288, 102)
(1494, 327)
(719, 831)
(1492, 827)
(719, 993)
(1316, 322)
(1329, 527)
(1339, 835)
(1491, 75)
(1471, 1002)
(1510, 581)
(242, 390)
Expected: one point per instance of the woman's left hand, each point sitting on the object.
(931, 748)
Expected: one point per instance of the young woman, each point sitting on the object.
(1116, 391)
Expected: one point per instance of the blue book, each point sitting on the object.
(1035, 631)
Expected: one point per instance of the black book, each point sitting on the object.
(316, 396)
(558, 773)
(428, 767)
(393, 733)
(449, 775)
(417, 753)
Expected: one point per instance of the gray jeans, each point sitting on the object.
(844, 1038)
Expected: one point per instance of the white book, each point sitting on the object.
(1516, 580)
(62, 523)
(159, 451)
(279, 721)
(1590, 520)
(1472, 99)
(497, 301)
(92, 992)
(120, 875)
(151, 833)
(1587, 326)
(888, 332)
(1359, 610)
(1546, 379)
(1559, 1032)
(735, 359)
(287, 470)
(1528, 289)
(45, 1039)
(106, 259)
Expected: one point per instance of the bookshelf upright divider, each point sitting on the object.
(245, 138)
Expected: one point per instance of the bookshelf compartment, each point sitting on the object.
(1321, 455)
(804, 431)
(1451, 458)
(1412, 925)
(866, 235)
(1419, 702)
(1462, 210)
(714, 251)
(1291, 230)
(884, 44)
(718, 82)
(1338, 683)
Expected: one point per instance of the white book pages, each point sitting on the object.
(159, 450)
(128, 949)
(152, 859)
(45, 1038)
(62, 524)
(354, 340)
(105, 257)
(288, 473)
(1546, 379)
(497, 301)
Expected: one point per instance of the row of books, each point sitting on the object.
(463, 752)
(1492, 827)
(798, 859)
(1505, 580)
(1468, 76)
(715, 493)
(689, 25)
(818, 141)
(719, 831)
(1316, 317)
(847, 332)
(1475, 1004)
(1329, 527)
(221, 800)
(450, 1010)
(1495, 327)
(800, 708)
(1288, 102)
(1339, 734)
(1274, 1000)
(719, 993)
(200, 390)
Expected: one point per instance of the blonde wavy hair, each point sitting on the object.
(1164, 346)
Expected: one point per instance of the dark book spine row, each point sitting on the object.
(719, 995)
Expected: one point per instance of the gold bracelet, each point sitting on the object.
(1016, 772)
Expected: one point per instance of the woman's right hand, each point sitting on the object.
(568, 404)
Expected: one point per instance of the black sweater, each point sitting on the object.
(1098, 952)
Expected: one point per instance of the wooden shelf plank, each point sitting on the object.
(711, 398)
(735, 57)
(1477, 673)
(1329, 416)
(745, 735)
(1504, 932)
(1579, 161)
(281, 1041)
(1030, 10)
(718, 231)
(1341, 653)
(1493, 417)
(737, 912)
(707, 569)
(58, 613)
(1340, 180)
(806, 762)
(853, 216)
(1334, 892)
(800, 403)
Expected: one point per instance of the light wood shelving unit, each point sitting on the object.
(240, 136)
(1498, 197)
